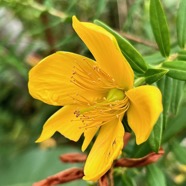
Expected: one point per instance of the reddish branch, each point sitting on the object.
(61, 177)
(48, 31)
(139, 162)
(77, 157)
(73, 158)
(139, 40)
(77, 173)
(126, 138)
(104, 181)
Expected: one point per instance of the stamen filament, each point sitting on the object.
(91, 79)
(102, 112)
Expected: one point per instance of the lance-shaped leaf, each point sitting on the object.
(172, 93)
(181, 24)
(132, 55)
(159, 27)
(177, 69)
(155, 176)
(165, 85)
(179, 151)
(156, 135)
(124, 179)
(154, 59)
(176, 125)
(177, 93)
(182, 55)
(153, 75)
(128, 180)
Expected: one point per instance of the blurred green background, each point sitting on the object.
(33, 29)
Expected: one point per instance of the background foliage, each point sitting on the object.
(31, 30)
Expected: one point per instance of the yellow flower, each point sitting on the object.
(95, 95)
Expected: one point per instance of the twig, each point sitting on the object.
(73, 158)
(62, 177)
(139, 162)
(139, 40)
(48, 31)
(107, 179)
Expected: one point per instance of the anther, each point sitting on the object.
(76, 113)
(110, 105)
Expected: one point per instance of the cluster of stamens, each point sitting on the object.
(91, 77)
(101, 111)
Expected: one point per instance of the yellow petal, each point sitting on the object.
(51, 81)
(145, 108)
(106, 51)
(65, 122)
(106, 148)
(88, 135)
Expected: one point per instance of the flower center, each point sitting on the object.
(113, 106)
(115, 94)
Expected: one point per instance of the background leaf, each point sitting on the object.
(156, 135)
(159, 27)
(181, 24)
(179, 151)
(154, 75)
(182, 55)
(177, 69)
(176, 125)
(155, 176)
(177, 94)
(166, 87)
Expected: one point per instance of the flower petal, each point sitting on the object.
(106, 148)
(65, 122)
(51, 80)
(145, 108)
(105, 50)
(88, 134)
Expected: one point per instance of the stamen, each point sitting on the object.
(91, 78)
(103, 112)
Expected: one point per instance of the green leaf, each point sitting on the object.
(11, 61)
(127, 180)
(177, 69)
(124, 178)
(182, 55)
(179, 151)
(141, 150)
(154, 59)
(167, 96)
(156, 135)
(166, 87)
(155, 176)
(177, 93)
(153, 75)
(175, 125)
(172, 92)
(134, 58)
(159, 27)
(181, 24)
